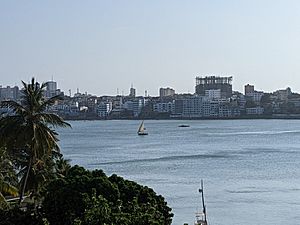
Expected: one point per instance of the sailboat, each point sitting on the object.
(201, 216)
(141, 130)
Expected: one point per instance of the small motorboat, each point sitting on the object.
(184, 125)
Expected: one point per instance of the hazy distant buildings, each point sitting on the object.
(224, 84)
(9, 93)
(283, 95)
(166, 92)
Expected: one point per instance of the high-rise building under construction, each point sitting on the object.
(214, 83)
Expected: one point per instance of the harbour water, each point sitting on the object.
(250, 168)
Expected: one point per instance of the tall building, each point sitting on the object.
(51, 89)
(164, 92)
(214, 83)
(132, 91)
(249, 89)
(51, 86)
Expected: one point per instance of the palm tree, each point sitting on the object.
(29, 131)
(7, 178)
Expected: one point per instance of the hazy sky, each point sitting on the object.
(99, 46)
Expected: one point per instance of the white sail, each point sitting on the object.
(141, 128)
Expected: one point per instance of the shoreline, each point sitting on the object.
(277, 117)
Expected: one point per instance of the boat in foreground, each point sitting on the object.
(141, 130)
(201, 216)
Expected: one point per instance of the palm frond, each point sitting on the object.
(8, 189)
(50, 102)
(13, 105)
(51, 119)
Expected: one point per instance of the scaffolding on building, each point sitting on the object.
(213, 80)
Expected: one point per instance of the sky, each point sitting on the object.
(104, 47)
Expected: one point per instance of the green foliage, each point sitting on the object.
(15, 216)
(90, 197)
(8, 178)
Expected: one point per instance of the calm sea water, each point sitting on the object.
(251, 168)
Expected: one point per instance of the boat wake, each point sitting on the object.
(166, 158)
(258, 133)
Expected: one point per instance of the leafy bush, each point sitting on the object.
(90, 197)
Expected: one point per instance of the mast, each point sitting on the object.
(201, 190)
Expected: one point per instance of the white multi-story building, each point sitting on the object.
(103, 109)
(200, 106)
(164, 107)
(256, 96)
(164, 92)
(192, 107)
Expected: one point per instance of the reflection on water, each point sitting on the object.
(251, 168)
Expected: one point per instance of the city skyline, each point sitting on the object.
(103, 46)
(137, 93)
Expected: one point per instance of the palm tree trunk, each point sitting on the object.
(25, 181)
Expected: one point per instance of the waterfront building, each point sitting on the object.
(164, 107)
(214, 83)
(255, 110)
(165, 92)
(192, 107)
(178, 107)
(202, 107)
(103, 109)
(224, 111)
